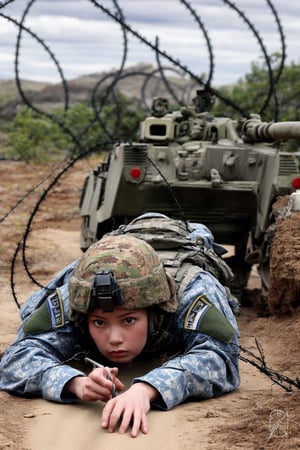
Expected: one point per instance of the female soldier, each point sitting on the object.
(115, 303)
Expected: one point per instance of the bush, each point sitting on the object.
(72, 132)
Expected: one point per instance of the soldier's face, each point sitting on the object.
(119, 335)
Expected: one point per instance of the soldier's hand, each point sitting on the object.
(129, 409)
(95, 386)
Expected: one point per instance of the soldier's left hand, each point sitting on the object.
(129, 409)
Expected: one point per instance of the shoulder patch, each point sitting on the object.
(204, 317)
(48, 316)
(56, 310)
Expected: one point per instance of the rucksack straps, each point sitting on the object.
(178, 245)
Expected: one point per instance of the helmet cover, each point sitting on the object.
(136, 267)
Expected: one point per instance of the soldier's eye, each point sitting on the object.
(130, 320)
(98, 323)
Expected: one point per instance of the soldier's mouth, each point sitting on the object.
(118, 354)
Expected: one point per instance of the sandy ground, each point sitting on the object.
(260, 415)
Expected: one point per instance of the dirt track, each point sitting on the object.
(236, 421)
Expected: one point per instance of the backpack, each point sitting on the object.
(184, 248)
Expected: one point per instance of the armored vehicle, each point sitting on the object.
(224, 173)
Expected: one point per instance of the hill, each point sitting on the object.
(142, 82)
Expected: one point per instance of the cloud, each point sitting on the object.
(86, 40)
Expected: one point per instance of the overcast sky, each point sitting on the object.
(85, 40)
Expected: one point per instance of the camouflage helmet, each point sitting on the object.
(136, 267)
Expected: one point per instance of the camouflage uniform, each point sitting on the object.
(36, 363)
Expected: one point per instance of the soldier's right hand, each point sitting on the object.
(95, 386)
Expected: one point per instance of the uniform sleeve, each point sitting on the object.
(36, 364)
(207, 367)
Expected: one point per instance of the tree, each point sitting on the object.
(31, 137)
(250, 93)
(79, 129)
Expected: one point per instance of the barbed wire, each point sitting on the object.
(259, 362)
(98, 102)
(110, 91)
(271, 84)
(170, 58)
(206, 37)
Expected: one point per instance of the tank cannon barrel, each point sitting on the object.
(269, 131)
